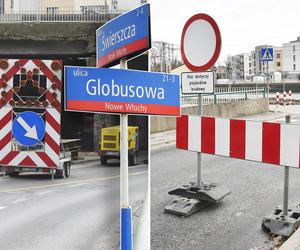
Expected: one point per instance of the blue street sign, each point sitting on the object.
(266, 55)
(127, 35)
(121, 91)
(28, 128)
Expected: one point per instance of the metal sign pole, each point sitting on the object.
(199, 183)
(268, 84)
(286, 180)
(126, 218)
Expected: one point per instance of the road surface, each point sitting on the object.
(235, 223)
(79, 212)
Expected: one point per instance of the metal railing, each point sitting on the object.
(17, 11)
(66, 17)
(225, 95)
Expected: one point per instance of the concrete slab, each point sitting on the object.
(293, 243)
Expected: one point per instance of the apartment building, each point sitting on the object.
(248, 65)
(291, 58)
(241, 66)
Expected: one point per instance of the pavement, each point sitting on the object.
(79, 212)
(243, 218)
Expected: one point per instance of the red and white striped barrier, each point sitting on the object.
(277, 98)
(284, 98)
(49, 156)
(266, 142)
(290, 97)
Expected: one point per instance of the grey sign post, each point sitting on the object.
(200, 49)
(198, 83)
(266, 55)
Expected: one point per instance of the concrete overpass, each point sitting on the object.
(75, 44)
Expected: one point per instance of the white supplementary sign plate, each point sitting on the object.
(197, 82)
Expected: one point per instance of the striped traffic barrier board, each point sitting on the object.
(16, 75)
(265, 142)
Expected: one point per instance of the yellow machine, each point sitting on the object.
(110, 144)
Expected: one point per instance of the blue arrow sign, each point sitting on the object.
(127, 35)
(121, 91)
(266, 55)
(28, 128)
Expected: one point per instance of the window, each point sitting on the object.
(278, 64)
(294, 48)
(294, 58)
(2, 7)
(294, 67)
(249, 65)
(249, 71)
(278, 55)
(52, 10)
(114, 3)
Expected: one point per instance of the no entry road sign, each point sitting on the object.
(200, 42)
(28, 128)
(121, 91)
(125, 36)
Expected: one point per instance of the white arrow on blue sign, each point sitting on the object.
(28, 128)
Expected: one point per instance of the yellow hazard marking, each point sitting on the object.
(70, 182)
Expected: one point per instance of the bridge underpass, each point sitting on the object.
(75, 44)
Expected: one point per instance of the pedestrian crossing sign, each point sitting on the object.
(266, 54)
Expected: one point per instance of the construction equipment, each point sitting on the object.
(110, 144)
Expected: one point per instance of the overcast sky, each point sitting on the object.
(243, 23)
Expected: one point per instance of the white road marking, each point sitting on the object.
(19, 200)
(1, 208)
(70, 182)
(44, 192)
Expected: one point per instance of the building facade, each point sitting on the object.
(286, 61)
(291, 59)
(241, 66)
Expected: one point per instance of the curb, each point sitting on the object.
(293, 243)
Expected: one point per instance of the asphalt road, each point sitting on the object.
(235, 223)
(79, 212)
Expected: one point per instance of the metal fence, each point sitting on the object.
(18, 18)
(63, 10)
(225, 95)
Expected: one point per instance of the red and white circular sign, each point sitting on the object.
(200, 42)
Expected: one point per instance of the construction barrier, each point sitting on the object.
(284, 98)
(265, 142)
(16, 76)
